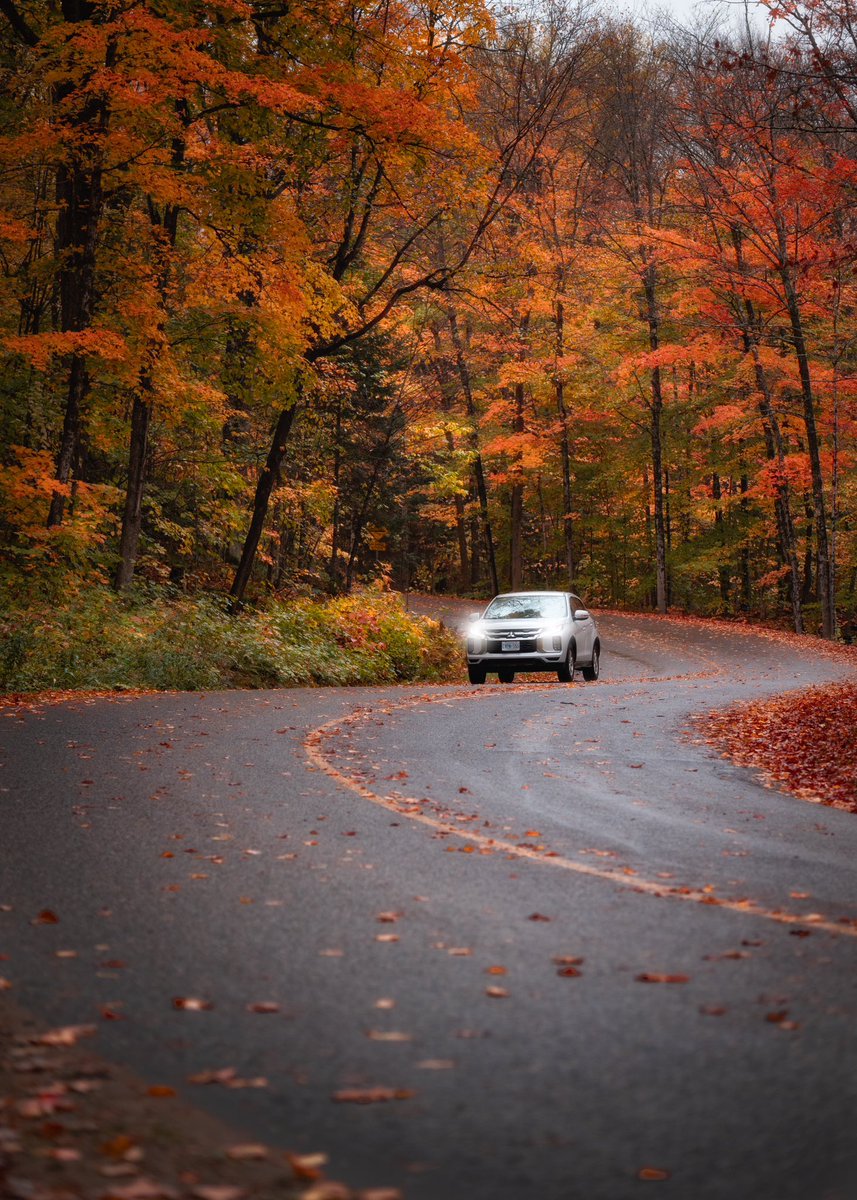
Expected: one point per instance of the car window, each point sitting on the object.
(525, 607)
(576, 602)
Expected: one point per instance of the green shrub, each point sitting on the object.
(98, 640)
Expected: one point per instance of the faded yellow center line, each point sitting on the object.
(412, 807)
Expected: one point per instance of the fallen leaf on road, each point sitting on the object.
(218, 1191)
(569, 972)
(66, 1035)
(192, 1003)
(46, 917)
(223, 1075)
(161, 1091)
(306, 1167)
(247, 1151)
(567, 960)
(654, 977)
(119, 1146)
(388, 917)
(263, 1006)
(388, 1035)
(537, 917)
(141, 1189)
(495, 970)
(328, 1189)
(497, 993)
(64, 1154)
(460, 951)
(652, 1173)
(385, 1002)
(712, 1010)
(371, 1095)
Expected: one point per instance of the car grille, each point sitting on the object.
(528, 644)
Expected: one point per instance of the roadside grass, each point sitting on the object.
(95, 640)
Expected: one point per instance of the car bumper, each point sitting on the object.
(516, 662)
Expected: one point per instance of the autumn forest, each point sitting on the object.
(302, 297)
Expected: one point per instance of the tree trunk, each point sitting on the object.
(516, 505)
(723, 574)
(656, 407)
(80, 203)
(825, 592)
(78, 388)
(267, 479)
(775, 446)
(380, 458)
(746, 580)
(333, 569)
(565, 452)
(478, 470)
(132, 516)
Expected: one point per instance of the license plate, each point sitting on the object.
(510, 645)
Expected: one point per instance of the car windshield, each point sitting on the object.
(520, 608)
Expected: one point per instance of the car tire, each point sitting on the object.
(476, 674)
(506, 676)
(565, 673)
(591, 673)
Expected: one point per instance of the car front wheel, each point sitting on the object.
(591, 673)
(565, 673)
(475, 674)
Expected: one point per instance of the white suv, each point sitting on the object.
(533, 631)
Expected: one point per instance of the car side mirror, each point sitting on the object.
(581, 614)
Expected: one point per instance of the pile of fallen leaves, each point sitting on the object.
(805, 742)
(74, 1127)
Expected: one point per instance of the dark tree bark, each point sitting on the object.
(80, 204)
(478, 469)
(132, 513)
(165, 225)
(333, 569)
(723, 573)
(516, 505)
(656, 408)
(565, 451)
(822, 537)
(267, 479)
(380, 458)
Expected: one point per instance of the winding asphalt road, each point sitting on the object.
(599, 947)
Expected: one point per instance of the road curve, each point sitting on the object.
(572, 943)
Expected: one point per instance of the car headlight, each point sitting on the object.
(550, 639)
(476, 630)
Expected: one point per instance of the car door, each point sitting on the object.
(583, 632)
